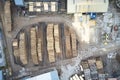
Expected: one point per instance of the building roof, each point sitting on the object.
(19, 2)
(112, 78)
(53, 75)
(2, 56)
(77, 6)
(1, 75)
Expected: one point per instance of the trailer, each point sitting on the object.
(22, 49)
(67, 42)
(50, 43)
(33, 45)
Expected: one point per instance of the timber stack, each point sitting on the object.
(22, 49)
(50, 43)
(34, 45)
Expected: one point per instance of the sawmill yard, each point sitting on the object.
(44, 44)
(51, 36)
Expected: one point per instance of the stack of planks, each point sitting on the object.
(99, 63)
(50, 43)
(22, 49)
(16, 49)
(39, 45)
(67, 42)
(57, 39)
(73, 39)
(33, 45)
(7, 16)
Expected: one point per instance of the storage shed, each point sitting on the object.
(19, 2)
(53, 75)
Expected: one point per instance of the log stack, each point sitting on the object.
(7, 16)
(22, 49)
(39, 49)
(50, 43)
(57, 39)
(74, 42)
(67, 42)
(16, 49)
(33, 45)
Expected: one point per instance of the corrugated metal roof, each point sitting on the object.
(2, 56)
(53, 75)
(19, 2)
(76, 6)
(112, 78)
(71, 6)
(1, 76)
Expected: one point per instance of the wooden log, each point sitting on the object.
(50, 43)
(57, 40)
(22, 49)
(39, 49)
(16, 50)
(33, 45)
(73, 42)
(67, 42)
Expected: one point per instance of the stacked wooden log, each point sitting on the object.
(7, 16)
(50, 43)
(74, 42)
(39, 49)
(16, 50)
(57, 39)
(67, 42)
(33, 45)
(22, 49)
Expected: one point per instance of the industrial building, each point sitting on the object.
(1, 75)
(53, 75)
(80, 6)
(2, 54)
